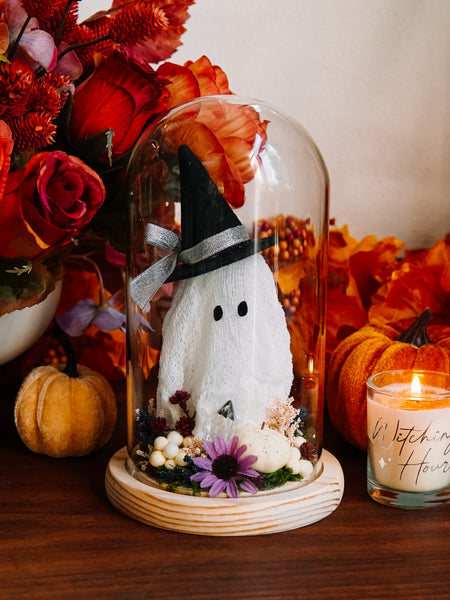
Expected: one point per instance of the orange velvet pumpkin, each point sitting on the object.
(372, 349)
(65, 410)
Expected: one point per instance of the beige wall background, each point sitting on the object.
(368, 79)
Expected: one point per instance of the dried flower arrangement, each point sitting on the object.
(249, 462)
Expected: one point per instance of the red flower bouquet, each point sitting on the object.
(74, 99)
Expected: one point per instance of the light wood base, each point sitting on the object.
(273, 511)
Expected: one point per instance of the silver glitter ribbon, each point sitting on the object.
(145, 285)
(214, 244)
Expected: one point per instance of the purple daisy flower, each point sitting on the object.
(225, 468)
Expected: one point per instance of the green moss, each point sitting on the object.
(278, 478)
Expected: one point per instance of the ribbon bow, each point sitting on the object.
(145, 285)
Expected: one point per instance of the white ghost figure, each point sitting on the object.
(225, 340)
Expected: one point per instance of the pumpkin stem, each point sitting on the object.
(71, 367)
(416, 334)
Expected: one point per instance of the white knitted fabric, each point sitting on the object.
(242, 359)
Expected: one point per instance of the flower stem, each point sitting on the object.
(63, 20)
(102, 296)
(13, 50)
(84, 45)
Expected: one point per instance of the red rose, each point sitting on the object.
(47, 204)
(120, 96)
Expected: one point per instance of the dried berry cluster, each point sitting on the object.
(294, 239)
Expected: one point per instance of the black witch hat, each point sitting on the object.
(212, 235)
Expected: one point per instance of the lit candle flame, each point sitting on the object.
(415, 386)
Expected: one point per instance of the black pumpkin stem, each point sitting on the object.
(71, 368)
(416, 334)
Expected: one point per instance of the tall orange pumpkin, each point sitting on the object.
(372, 349)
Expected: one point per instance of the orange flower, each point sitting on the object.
(194, 79)
(224, 136)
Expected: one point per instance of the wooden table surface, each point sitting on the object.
(61, 539)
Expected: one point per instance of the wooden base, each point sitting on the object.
(289, 507)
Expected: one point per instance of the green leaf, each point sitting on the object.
(25, 283)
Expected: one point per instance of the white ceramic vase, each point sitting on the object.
(20, 329)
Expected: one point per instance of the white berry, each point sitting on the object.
(160, 443)
(298, 441)
(295, 453)
(305, 467)
(175, 438)
(294, 464)
(170, 463)
(179, 459)
(157, 458)
(170, 451)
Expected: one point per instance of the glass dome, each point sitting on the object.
(226, 300)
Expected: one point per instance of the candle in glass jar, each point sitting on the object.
(408, 427)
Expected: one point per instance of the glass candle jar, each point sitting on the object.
(408, 432)
(226, 300)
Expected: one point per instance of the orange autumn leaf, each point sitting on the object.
(103, 352)
(370, 262)
(345, 309)
(356, 271)
(412, 288)
(289, 277)
(345, 314)
(340, 247)
(78, 284)
(148, 360)
(439, 256)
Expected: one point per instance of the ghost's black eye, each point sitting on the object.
(218, 313)
(242, 308)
